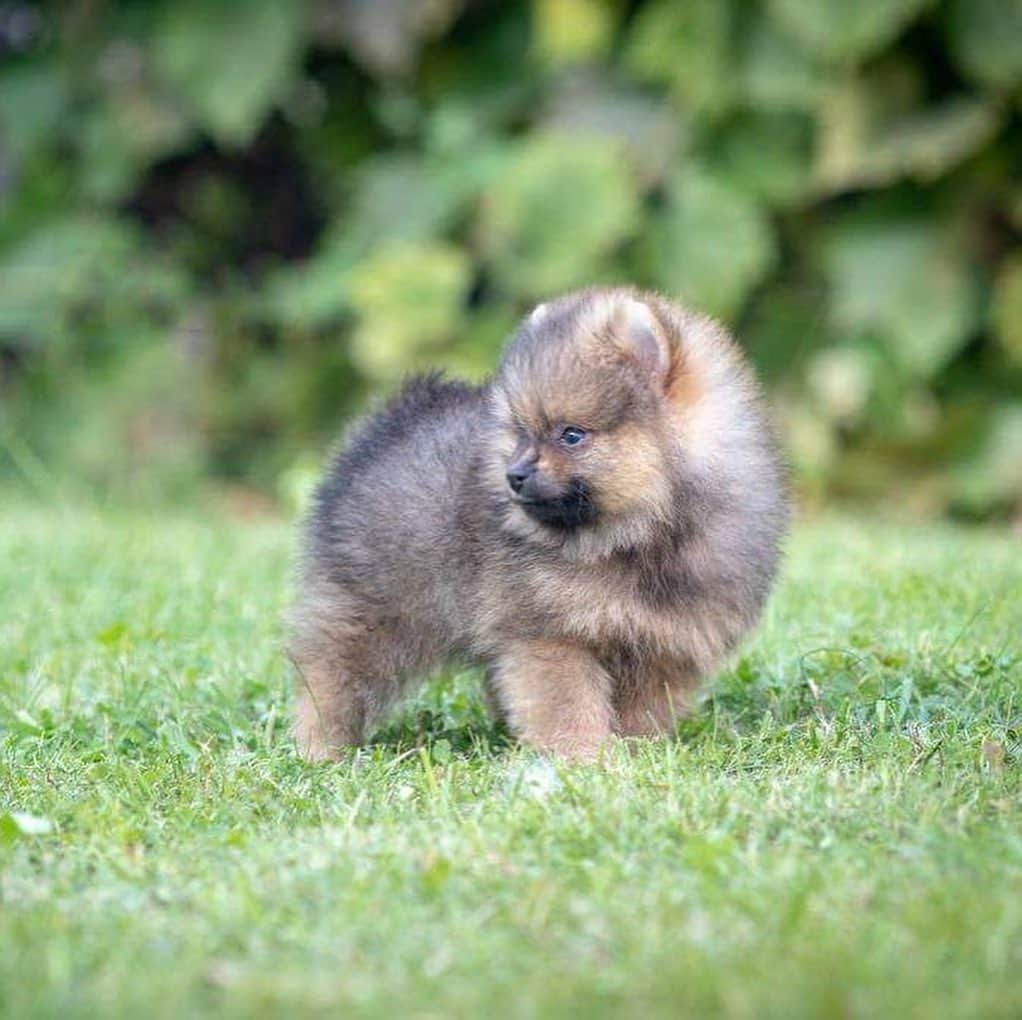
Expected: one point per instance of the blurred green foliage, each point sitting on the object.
(224, 224)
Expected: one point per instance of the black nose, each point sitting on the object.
(518, 475)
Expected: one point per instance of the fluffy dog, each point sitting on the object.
(598, 526)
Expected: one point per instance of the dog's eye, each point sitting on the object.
(572, 436)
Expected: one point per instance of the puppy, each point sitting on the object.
(598, 526)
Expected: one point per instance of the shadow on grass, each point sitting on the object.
(450, 708)
(426, 728)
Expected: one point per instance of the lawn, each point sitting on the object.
(838, 832)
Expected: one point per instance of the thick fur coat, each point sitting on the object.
(598, 525)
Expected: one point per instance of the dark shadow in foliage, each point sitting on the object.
(244, 209)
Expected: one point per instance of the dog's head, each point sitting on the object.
(581, 406)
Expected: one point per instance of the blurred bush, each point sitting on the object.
(225, 223)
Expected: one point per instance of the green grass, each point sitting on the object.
(837, 833)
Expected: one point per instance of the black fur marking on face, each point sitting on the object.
(573, 509)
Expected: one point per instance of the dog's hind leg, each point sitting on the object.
(348, 675)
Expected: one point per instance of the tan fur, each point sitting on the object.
(556, 696)
(634, 470)
(684, 388)
(323, 713)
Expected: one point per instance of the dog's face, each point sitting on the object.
(579, 402)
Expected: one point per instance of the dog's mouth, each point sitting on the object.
(572, 509)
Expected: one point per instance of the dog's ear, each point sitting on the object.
(641, 337)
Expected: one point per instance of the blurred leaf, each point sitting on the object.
(151, 125)
(775, 73)
(841, 379)
(408, 298)
(297, 484)
(867, 140)
(645, 127)
(314, 292)
(685, 45)
(992, 478)
(1007, 307)
(397, 198)
(906, 280)
(572, 31)
(109, 169)
(489, 85)
(383, 35)
(845, 30)
(480, 341)
(985, 38)
(782, 328)
(767, 156)
(229, 60)
(60, 265)
(711, 245)
(134, 119)
(1014, 208)
(33, 104)
(556, 211)
(810, 440)
(405, 198)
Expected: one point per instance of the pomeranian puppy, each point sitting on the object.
(598, 526)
